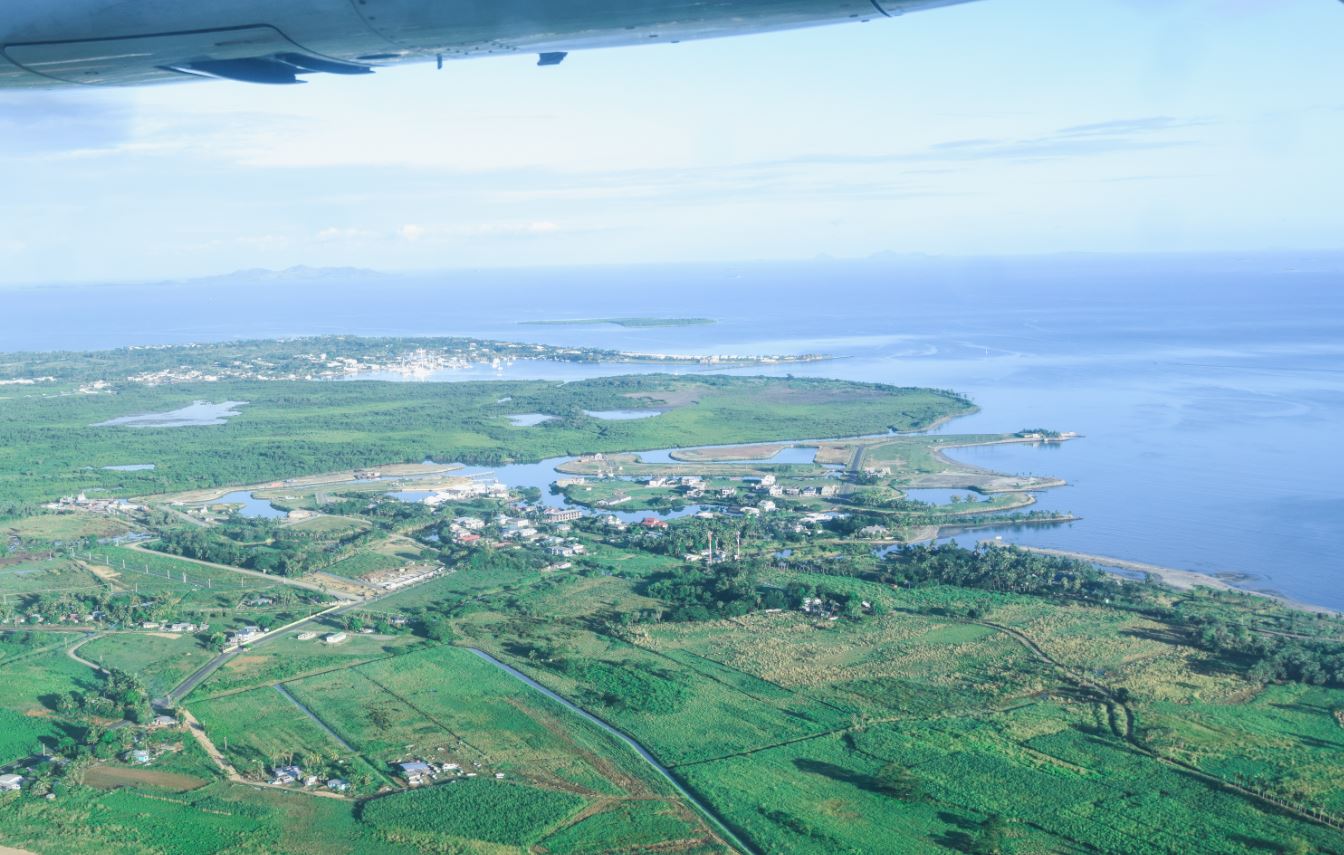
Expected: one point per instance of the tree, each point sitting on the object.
(896, 781)
(990, 839)
(438, 629)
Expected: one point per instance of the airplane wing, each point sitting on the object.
(46, 43)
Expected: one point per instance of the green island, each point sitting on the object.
(622, 322)
(312, 358)
(350, 617)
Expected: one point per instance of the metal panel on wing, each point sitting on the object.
(143, 59)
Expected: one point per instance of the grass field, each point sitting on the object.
(64, 527)
(330, 526)
(362, 563)
(160, 660)
(27, 717)
(286, 658)
(261, 729)
(46, 576)
(194, 585)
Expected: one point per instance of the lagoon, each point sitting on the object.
(250, 505)
(198, 414)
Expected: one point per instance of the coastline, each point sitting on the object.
(1181, 580)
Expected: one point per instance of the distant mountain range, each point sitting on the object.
(301, 274)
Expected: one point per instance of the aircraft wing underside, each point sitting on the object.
(135, 42)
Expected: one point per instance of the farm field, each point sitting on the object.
(818, 736)
(219, 819)
(445, 705)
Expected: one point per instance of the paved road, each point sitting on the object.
(623, 737)
(186, 686)
(181, 690)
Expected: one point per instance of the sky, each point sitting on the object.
(998, 127)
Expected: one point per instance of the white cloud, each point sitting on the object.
(333, 234)
(416, 232)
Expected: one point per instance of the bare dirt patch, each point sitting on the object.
(669, 397)
(741, 452)
(112, 777)
(795, 396)
(102, 571)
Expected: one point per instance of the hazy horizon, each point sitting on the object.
(301, 272)
(1010, 126)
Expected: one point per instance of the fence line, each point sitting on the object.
(204, 582)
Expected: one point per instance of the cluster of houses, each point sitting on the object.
(93, 506)
(467, 490)
(401, 577)
(419, 772)
(466, 530)
(244, 635)
(561, 515)
(284, 776)
(469, 531)
(35, 618)
(174, 626)
(144, 756)
(695, 487)
(565, 548)
(828, 609)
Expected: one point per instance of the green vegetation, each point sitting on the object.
(362, 563)
(810, 692)
(218, 819)
(293, 429)
(125, 588)
(473, 809)
(161, 661)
